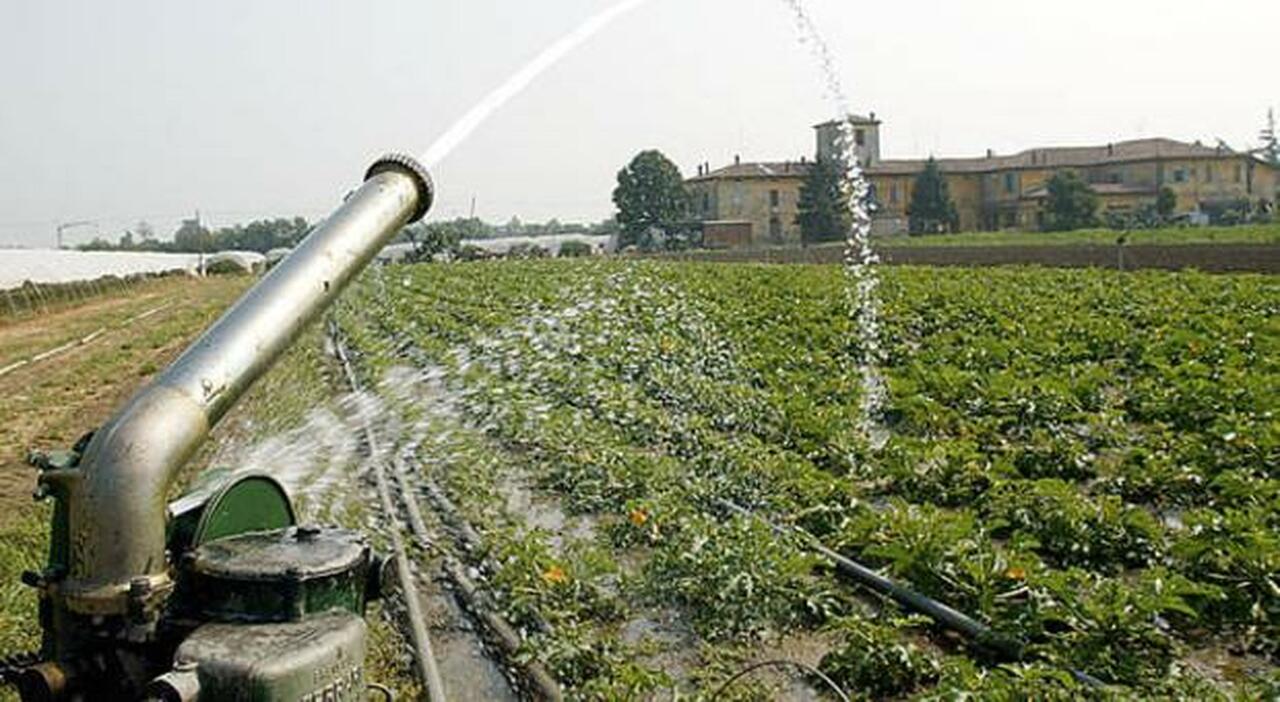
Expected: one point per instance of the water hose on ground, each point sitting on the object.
(502, 634)
(419, 639)
(468, 537)
(1007, 647)
(506, 637)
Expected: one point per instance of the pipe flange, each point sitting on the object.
(403, 163)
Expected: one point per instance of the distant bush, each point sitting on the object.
(225, 267)
(1228, 213)
(575, 249)
(1072, 204)
(527, 251)
(470, 252)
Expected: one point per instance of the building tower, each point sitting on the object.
(866, 131)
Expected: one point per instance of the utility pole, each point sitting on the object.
(200, 234)
(1270, 140)
(473, 207)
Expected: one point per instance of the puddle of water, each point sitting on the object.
(469, 672)
(673, 644)
(543, 512)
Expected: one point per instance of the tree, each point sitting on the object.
(434, 238)
(1072, 203)
(651, 199)
(608, 227)
(144, 230)
(1166, 203)
(192, 237)
(824, 215)
(931, 210)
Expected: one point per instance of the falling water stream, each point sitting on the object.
(860, 259)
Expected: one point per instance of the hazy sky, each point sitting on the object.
(151, 109)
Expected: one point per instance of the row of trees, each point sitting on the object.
(449, 236)
(824, 213)
(654, 210)
(267, 234)
(1072, 204)
(193, 237)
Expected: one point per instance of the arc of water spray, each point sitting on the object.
(516, 84)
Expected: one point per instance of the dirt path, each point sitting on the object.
(51, 403)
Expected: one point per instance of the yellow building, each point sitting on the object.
(755, 204)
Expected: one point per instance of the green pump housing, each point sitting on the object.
(263, 609)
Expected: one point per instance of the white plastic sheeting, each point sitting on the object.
(52, 266)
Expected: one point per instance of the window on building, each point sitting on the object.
(1239, 173)
(775, 198)
(706, 202)
(1208, 173)
(1117, 177)
(1180, 175)
(1010, 182)
(775, 228)
(860, 137)
(893, 193)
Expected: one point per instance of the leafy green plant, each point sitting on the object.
(738, 578)
(1061, 523)
(1238, 551)
(962, 679)
(876, 660)
(1113, 628)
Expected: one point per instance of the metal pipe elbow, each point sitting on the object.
(118, 521)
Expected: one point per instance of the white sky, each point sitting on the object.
(151, 109)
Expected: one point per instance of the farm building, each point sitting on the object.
(991, 192)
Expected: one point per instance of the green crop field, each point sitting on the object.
(1086, 461)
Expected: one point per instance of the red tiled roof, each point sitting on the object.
(1055, 157)
(1060, 157)
(783, 169)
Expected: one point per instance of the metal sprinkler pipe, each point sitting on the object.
(116, 565)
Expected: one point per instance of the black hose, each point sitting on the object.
(1003, 645)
